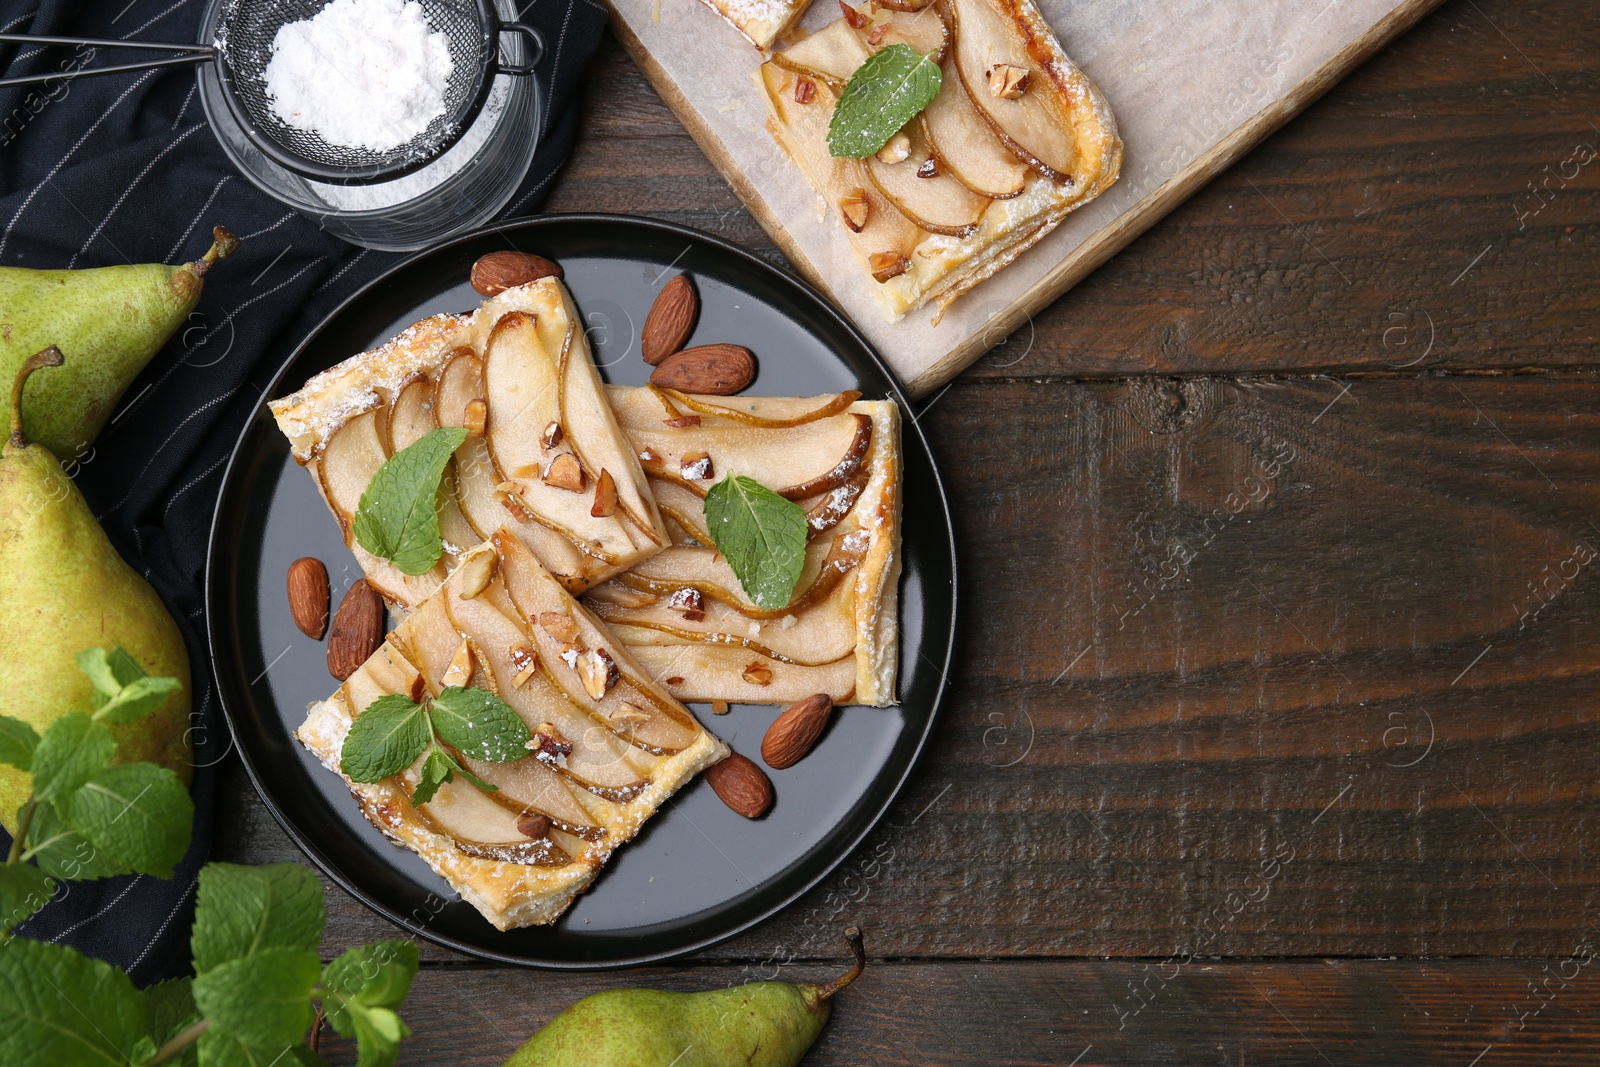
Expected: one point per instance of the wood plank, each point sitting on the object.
(1054, 1013)
(1325, 647)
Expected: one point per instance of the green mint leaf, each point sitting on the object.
(262, 1000)
(96, 663)
(61, 1007)
(65, 854)
(398, 517)
(480, 725)
(886, 92)
(243, 910)
(144, 1050)
(762, 535)
(365, 985)
(24, 889)
(137, 699)
(437, 770)
(139, 815)
(218, 1049)
(168, 1011)
(385, 739)
(17, 742)
(74, 749)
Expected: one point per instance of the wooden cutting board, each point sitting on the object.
(1194, 84)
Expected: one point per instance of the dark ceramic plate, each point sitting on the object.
(698, 873)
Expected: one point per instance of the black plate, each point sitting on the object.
(698, 873)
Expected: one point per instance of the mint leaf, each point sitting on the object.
(480, 725)
(243, 910)
(385, 739)
(364, 987)
(762, 535)
(17, 742)
(24, 889)
(139, 815)
(437, 770)
(218, 1049)
(169, 1010)
(455, 768)
(398, 517)
(65, 854)
(137, 699)
(72, 751)
(262, 1000)
(96, 663)
(886, 92)
(61, 1007)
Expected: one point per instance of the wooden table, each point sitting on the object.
(1273, 732)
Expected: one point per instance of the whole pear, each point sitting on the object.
(63, 589)
(759, 1024)
(107, 321)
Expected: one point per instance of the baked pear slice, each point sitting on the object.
(924, 192)
(965, 146)
(522, 850)
(831, 55)
(682, 613)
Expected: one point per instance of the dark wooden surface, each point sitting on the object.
(1279, 645)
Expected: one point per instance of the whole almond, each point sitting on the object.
(534, 824)
(496, 272)
(308, 596)
(742, 785)
(792, 734)
(357, 630)
(713, 370)
(671, 320)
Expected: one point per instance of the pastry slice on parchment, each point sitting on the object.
(543, 456)
(761, 21)
(683, 614)
(1016, 139)
(610, 745)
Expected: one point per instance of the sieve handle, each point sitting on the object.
(535, 43)
(89, 72)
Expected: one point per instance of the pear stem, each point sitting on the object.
(222, 245)
(49, 357)
(853, 935)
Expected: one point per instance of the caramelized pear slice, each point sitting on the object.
(483, 828)
(802, 130)
(965, 146)
(903, 5)
(939, 204)
(798, 462)
(831, 55)
(528, 785)
(711, 672)
(632, 706)
(923, 30)
(1036, 126)
(459, 383)
(707, 406)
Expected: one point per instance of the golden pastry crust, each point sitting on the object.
(864, 527)
(760, 21)
(508, 894)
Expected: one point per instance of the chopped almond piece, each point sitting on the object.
(526, 661)
(565, 473)
(558, 625)
(757, 674)
(719, 707)
(690, 602)
(476, 417)
(1007, 81)
(886, 265)
(605, 496)
(682, 421)
(551, 437)
(696, 466)
(855, 18)
(598, 671)
(805, 91)
(855, 210)
(460, 669)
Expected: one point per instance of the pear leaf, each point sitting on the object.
(480, 725)
(437, 770)
(74, 749)
(65, 854)
(17, 742)
(262, 1000)
(398, 517)
(762, 536)
(24, 889)
(385, 739)
(61, 1007)
(885, 93)
(138, 815)
(243, 910)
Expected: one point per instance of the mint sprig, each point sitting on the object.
(885, 93)
(393, 731)
(762, 536)
(398, 517)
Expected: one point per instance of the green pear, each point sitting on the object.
(760, 1024)
(63, 589)
(108, 321)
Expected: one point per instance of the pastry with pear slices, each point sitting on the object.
(1016, 139)
(682, 612)
(543, 455)
(760, 21)
(609, 745)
